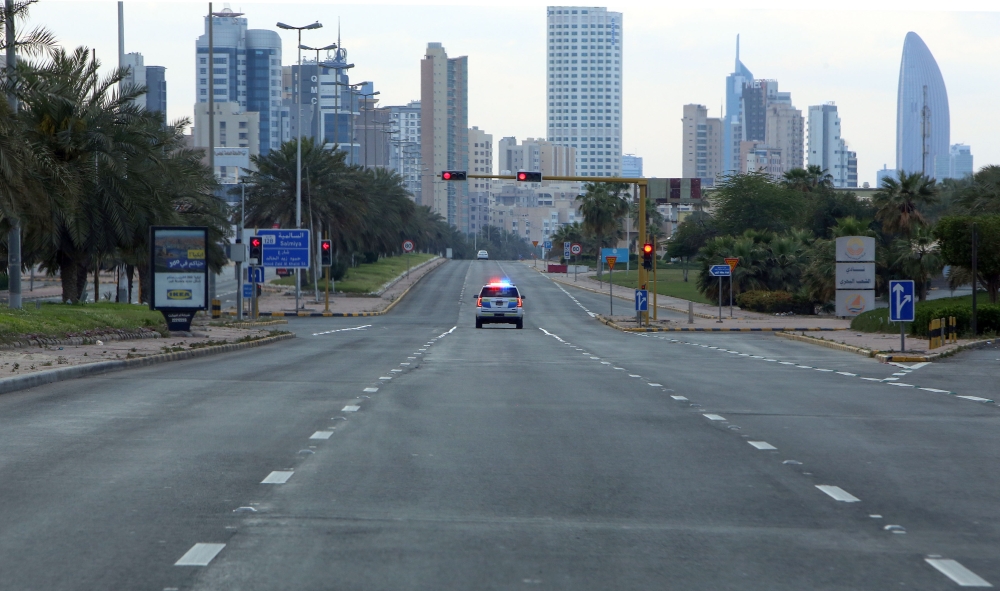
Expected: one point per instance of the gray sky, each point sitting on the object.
(670, 57)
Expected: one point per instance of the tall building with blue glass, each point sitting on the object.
(245, 68)
(923, 123)
(732, 122)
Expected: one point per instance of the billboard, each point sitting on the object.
(855, 275)
(675, 190)
(178, 270)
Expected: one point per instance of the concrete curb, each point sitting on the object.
(263, 324)
(773, 329)
(78, 371)
(882, 357)
(827, 344)
(399, 277)
(87, 340)
(391, 305)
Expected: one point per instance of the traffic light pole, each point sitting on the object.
(326, 280)
(654, 278)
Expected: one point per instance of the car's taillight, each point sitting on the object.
(479, 301)
(518, 302)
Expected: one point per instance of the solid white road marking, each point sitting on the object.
(350, 408)
(316, 334)
(712, 417)
(277, 477)
(679, 397)
(200, 555)
(954, 570)
(761, 445)
(838, 494)
(321, 435)
(371, 389)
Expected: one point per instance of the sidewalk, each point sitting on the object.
(705, 316)
(884, 347)
(280, 300)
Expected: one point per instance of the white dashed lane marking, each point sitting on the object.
(371, 390)
(200, 555)
(712, 417)
(838, 494)
(277, 477)
(350, 408)
(954, 570)
(321, 435)
(761, 445)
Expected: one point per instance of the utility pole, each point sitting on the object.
(14, 234)
(211, 123)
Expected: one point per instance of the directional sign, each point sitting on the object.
(720, 271)
(407, 246)
(732, 262)
(247, 290)
(641, 300)
(288, 249)
(575, 248)
(547, 245)
(611, 262)
(566, 249)
(258, 275)
(901, 305)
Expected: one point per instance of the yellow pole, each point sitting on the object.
(654, 277)
(326, 278)
(643, 276)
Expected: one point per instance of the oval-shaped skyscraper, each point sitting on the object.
(923, 124)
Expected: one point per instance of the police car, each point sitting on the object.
(483, 255)
(500, 302)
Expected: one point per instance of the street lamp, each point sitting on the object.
(298, 148)
(316, 120)
(369, 96)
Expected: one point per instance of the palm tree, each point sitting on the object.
(809, 179)
(982, 195)
(919, 257)
(899, 202)
(602, 208)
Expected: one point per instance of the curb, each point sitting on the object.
(391, 305)
(827, 344)
(78, 371)
(263, 324)
(882, 357)
(776, 330)
(87, 340)
(399, 277)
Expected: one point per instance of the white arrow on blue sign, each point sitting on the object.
(901, 304)
(720, 271)
(642, 300)
(258, 275)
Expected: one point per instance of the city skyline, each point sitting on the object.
(861, 77)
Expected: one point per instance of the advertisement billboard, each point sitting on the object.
(179, 273)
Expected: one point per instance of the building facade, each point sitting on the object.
(444, 125)
(961, 161)
(404, 145)
(235, 127)
(828, 150)
(923, 122)
(732, 121)
(584, 86)
(245, 69)
(156, 90)
(480, 162)
(631, 166)
(701, 145)
(549, 158)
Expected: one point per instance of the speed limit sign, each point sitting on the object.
(407, 246)
(576, 248)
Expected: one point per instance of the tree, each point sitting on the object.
(980, 195)
(955, 236)
(919, 258)
(690, 236)
(603, 207)
(899, 202)
(812, 178)
(753, 200)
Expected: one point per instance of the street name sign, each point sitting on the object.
(286, 249)
(901, 304)
(720, 271)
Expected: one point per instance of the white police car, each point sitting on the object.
(500, 302)
(483, 255)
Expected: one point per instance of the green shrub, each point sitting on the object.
(987, 318)
(3, 281)
(773, 302)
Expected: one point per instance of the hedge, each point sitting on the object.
(987, 318)
(773, 302)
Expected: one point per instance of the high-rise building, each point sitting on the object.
(235, 128)
(770, 121)
(404, 148)
(584, 86)
(245, 69)
(922, 119)
(827, 149)
(631, 166)
(785, 131)
(547, 157)
(884, 173)
(156, 89)
(732, 121)
(480, 162)
(444, 125)
(701, 145)
(136, 74)
(961, 161)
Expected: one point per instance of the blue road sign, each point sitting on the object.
(641, 300)
(286, 249)
(547, 245)
(621, 253)
(258, 275)
(901, 304)
(720, 271)
(247, 290)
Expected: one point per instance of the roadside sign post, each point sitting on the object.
(286, 249)
(575, 249)
(655, 288)
(567, 248)
(720, 271)
(641, 304)
(732, 262)
(901, 307)
(408, 247)
(611, 285)
(534, 243)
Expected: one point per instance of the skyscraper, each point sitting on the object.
(404, 153)
(827, 149)
(732, 122)
(444, 125)
(584, 86)
(961, 161)
(245, 69)
(923, 123)
(480, 162)
(156, 89)
(702, 141)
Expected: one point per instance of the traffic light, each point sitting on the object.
(527, 176)
(453, 175)
(256, 250)
(326, 253)
(647, 256)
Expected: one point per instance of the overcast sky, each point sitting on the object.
(671, 57)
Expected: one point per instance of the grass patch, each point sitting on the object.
(670, 282)
(71, 320)
(368, 278)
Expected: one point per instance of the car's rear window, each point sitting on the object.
(498, 292)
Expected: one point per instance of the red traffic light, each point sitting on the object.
(521, 176)
(453, 175)
(325, 245)
(647, 248)
(446, 176)
(528, 176)
(255, 242)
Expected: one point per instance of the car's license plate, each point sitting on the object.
(499, 314)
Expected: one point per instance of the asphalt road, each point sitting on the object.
(562, 456)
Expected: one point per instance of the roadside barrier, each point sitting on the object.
(942, 331)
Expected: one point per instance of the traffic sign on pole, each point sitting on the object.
(287, 249)
(575, 248)
(720, 271)
(901, 294)
(408, 246)
(641, 300)
(611, 262)
(534, 243)
(547, 245)
(566, 249)
(258, 275)
(732, 262)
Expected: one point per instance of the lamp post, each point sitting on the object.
(298, 149)
(316, 119)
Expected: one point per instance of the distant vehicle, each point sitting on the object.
(483, 255)
(500, 302)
